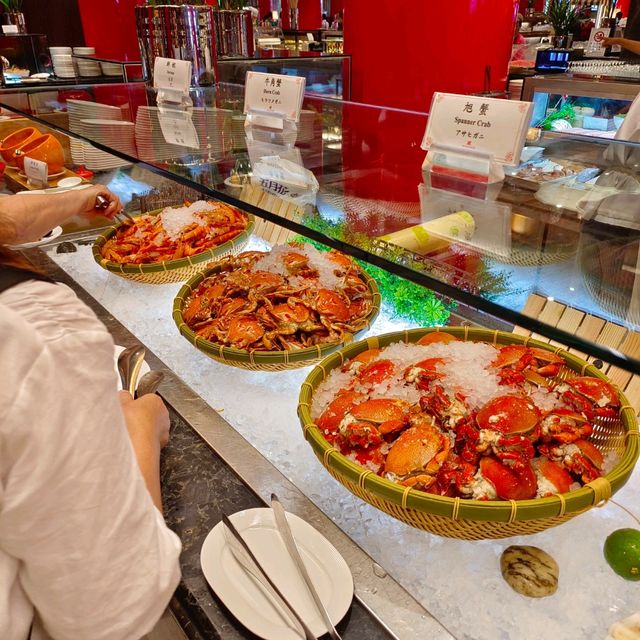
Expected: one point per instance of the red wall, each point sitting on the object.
(110, 27)
(402, 55)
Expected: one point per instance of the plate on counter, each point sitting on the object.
(54, 233)
(245, 597)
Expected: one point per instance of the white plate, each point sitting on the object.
(55, 232)
(144, 368)
(248, 601)
(67, 183)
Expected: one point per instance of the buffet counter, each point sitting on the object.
(533, 261)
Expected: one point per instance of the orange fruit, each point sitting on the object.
(622, 552)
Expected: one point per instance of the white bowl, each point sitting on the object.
(84, 51)
(57, 50)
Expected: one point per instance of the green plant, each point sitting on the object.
(562, 16)
(12, 6)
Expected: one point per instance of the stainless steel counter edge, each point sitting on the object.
(391, 604)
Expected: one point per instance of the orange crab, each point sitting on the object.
(516, 363)
(552, 477)
(506, 425)
(416, 457)
(367, 423)
(564, 425)
(581, 458)
(593, 397)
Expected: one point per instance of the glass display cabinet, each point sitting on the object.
(593, 102)
(553, 254)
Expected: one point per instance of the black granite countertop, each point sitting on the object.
(198, 487)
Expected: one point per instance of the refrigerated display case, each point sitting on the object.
(555, 259)
(578, 104)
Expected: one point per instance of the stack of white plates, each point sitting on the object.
(213, 127)
(515, 89)
(79, 110)
(87, 68)
(115, 134)
(62, 62)
(111, 68)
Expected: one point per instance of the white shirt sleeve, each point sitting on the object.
(96, 559)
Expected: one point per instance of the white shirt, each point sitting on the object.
(82, 546)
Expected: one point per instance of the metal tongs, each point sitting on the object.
(122, 216)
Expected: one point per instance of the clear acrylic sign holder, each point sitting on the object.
(175, 115)
(268, 128)
(466, 171)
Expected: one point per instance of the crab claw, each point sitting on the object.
(509, 483)
(437, 336)
(552, 478)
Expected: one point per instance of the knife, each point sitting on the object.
(292, 548)
(243, 554)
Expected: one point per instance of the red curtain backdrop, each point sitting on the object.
(110, 27)
(402, 54)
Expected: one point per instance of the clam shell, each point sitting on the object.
(529, 571)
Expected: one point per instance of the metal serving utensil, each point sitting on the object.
(149, 383)
(103, 203)
(129, 363)
(290, 543)
(243, 554)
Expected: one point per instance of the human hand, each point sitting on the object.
(610, 42)
(147, 418)
(86, 201)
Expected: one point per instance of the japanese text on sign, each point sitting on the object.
(486, 125)
(275, 94)
(172, 75)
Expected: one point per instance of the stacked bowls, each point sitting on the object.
(87, 68)
(62, 62)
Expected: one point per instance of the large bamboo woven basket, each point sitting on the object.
(171, 270)
(262, 360)
(473, 519)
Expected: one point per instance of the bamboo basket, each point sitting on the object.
(262, 360)
(465, 518)
(170, 270)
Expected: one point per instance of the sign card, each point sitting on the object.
(490, 126)
(8, 29)
(178, 128)
(274, 94)
(37, 172)
(596, 38)
(172, 75)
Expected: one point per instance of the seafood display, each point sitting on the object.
(466, 419)
(175, 233)
(293, 297)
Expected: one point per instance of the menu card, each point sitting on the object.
(478, 124)
(37, 172)
(274, 94)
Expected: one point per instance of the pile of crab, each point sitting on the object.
(466, 419)
(293, 297)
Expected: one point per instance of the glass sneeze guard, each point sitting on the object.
(564, 226)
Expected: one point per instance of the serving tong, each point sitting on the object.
(243, 554)
(122, 215)
(129, 363)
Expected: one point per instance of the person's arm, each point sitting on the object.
(625, 43)
(147, 422)
(94, 555)
(30, 217)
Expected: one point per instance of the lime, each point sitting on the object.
(622, 552)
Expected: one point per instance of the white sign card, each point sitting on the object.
(37, 172)
(172, 75)
(497, 128)
(8, 29)
(274, 94)
(178, 128)
(596, 38)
